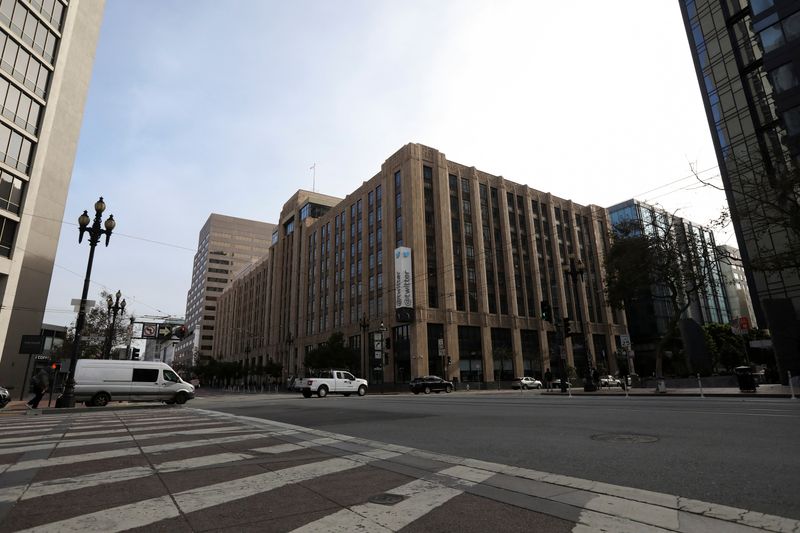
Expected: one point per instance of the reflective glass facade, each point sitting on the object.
(747, 58)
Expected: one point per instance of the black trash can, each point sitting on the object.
(747, 382)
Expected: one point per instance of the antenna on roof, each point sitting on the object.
(313, 169)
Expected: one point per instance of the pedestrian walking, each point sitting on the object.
(41, 382)
(548, 378)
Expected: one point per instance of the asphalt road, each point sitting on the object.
(738, 452)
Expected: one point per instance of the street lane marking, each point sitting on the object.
(56, 486)
(202, 461)
(421, 497)
(120, 518)
(70, 459)
(147, 512)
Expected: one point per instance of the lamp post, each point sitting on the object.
(114, 307)
(364, 323)
(383, 330)
(575, 270)
(95, 231)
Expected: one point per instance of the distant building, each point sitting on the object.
(648, 317)
(735, 284)
(747, 58)
(428, 267)
(47, 54)
(225, 246)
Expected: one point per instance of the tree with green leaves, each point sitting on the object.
(95, 331)
(333, 354)
(727, 350)
(658, 259)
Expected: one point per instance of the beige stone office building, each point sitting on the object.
(482, 253)
(225, 246)
(46, 55)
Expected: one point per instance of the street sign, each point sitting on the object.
(31, 344)
(625, 341)
(441, 347)
(377, 354)
(165, 330)
(149, 331)
(76, 304)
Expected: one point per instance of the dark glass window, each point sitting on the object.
(11, 190)
(145, 375)
(8, 228)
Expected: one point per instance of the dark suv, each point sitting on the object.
(427, 384)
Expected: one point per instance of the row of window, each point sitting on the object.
(19, 107)
(28, 27)
(24, 68)
(15, 150)
(50, 10)
(780, 33)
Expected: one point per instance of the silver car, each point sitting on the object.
(526, 383)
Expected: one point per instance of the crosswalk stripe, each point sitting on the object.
(206, 460)
(71, 459)
(147, 512)
(56, 486)
(126, 430)
(62, 444)
(219, 493)
(120, 518)
(290, 447)
(421, 497)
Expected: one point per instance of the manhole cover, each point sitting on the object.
(622, 437)
(386, 499)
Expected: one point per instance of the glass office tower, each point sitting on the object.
(747, 58)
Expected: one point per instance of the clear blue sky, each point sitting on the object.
(206, 106)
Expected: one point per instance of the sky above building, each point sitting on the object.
(204, 106)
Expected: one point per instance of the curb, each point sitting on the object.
(67, 410)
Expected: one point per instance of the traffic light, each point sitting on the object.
(387, 342)
(567, 327)
(135, 354)
(546, 311)
(180, 331)
(55, 366)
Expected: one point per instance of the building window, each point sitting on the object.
(8, 228)
(11, 189)
(783, 78)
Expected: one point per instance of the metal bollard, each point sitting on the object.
(700, 384)
(791, 384)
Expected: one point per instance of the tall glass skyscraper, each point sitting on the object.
(46, 54)
(747, 58)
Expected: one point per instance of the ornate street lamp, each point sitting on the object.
(95, 231)
(575, 270)
(114, 307)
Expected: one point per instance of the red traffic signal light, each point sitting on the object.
(180, 331)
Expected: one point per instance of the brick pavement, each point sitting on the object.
(184, 469)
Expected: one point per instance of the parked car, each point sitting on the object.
(428, 384)
(557, 384)
(5, 397)
(99, 381)
(610, 381)
(526, 383)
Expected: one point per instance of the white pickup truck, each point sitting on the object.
(331, 381)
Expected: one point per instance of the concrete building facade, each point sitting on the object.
(747, 58)
(225, 246)
(485, 253)
(46, 55)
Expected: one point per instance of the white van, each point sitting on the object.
(99, 381)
